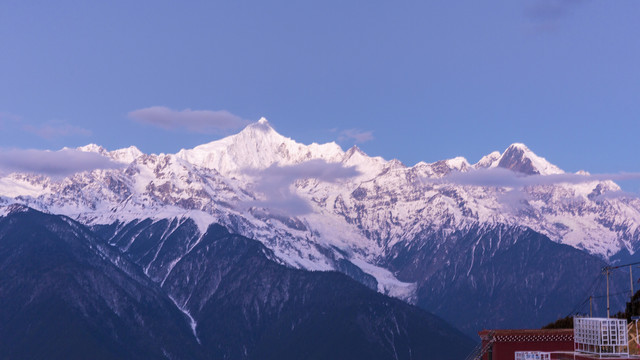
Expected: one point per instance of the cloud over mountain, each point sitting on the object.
(199, 121)
(359, 136)
(275, 183)
(59, 163)
(500, 177)
(56, 129)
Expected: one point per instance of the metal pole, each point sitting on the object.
(631, 279)
(607, 293)
(591, 306)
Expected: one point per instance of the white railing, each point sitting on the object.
(532, 355)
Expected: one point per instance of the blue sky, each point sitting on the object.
(413, 80)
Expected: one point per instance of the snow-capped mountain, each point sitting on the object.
(258, 146)
(318, 207)
(385, 203)
(519, 158)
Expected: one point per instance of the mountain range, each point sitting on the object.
(460, 240)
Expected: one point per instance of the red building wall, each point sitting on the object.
(507, 342)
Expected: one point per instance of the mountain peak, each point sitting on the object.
(126, 155)
(488, 161)
(259, 134)
(520, 146)
(260, 125)
(458, 163)
(257, 146)
(92, 148)
(518, 157)
(352, 150)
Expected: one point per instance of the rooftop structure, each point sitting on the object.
(559, 344)
(601, 336)
(503, 344)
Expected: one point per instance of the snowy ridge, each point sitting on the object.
(258, 146)
(519, 158)
(488, 161)
(357, 219)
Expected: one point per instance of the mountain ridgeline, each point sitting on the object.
(69, 295)
(515, 277)
(510, 241)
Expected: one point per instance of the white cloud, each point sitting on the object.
(59, 163)
(359, 136)
(275, 184)
(506, 178)
(54, 129)
(9, 117)
(516, 199)
(547, 14)
(200, 121)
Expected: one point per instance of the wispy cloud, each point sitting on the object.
(506, 178)
(275, 183)
(546, 14)
(199, 121)
(499, 177)
(59, 163)
(357, 135)
(617, 195)
(48, 130)
(513, 197)
(56, 129)
(5, 116)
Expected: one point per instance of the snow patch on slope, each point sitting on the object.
(14, 186)
(192, 321)
(388, 284)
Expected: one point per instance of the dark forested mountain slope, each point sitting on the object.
(248, 306)
(501, 277)
(62, 297)
(66, 293)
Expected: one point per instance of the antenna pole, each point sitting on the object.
(637, 337)
(591, 306)
(631, 279)
(607, 271)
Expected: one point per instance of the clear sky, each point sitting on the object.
(412, 80)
